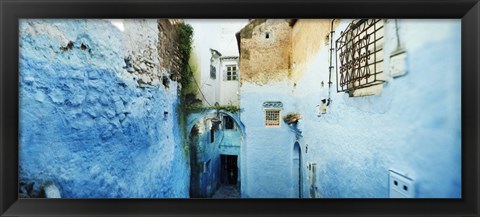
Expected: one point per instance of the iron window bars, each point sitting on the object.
(272, 113)
(359, 51)
(272, 118)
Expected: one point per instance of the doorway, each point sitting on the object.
(229, 172)
(297, 172)
(195, 170)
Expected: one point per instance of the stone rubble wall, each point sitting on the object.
(91, 125)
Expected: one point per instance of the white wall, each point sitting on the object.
(229, 91)
(213, 34)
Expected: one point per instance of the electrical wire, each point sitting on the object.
(396, 32)
(330, 68)
(199, 87)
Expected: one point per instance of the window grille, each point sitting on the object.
(272, 118)
(272, 113)
(359, 52)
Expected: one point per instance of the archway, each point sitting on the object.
(210, 151)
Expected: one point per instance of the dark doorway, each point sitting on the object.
(297, 172)
(212, 135)
(229, 171)
(195, 170)
(228, 121)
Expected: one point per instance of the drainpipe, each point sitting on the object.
(331, 63)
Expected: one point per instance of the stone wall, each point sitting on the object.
(256, 50)
(170, 57)
(95, 119)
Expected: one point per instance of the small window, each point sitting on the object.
(272, 117)
(267, 35)
(232, 73)
(228, 122)
(213, 72)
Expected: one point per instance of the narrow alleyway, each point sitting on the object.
(227, 191)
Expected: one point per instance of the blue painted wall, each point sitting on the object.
(412, 127)
(88, 127)
(267, 153)
(225, 142)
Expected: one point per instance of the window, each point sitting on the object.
(231, 72)
(272, 118)
(213, 72)
(272, 113)
(228, 122)
(267, 35)
(359, 52)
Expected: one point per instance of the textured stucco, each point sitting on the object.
(256, 50)
(86, 123)
(308, 36)
(412, 127)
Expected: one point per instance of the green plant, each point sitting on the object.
(185, 38)
(198, 107)
(228, 108)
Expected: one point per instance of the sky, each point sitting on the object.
(218, 34)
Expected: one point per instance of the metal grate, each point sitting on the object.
(359, 52)
(272, 118)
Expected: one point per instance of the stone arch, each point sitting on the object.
(197, 189)
(193, 119)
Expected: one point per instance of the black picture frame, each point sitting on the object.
(11, 11)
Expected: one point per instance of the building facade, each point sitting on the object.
(223, 78)
(351, 108)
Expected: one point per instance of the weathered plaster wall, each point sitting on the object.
(412, 127)
(208, 160)
(86, 122)
(308, 36)
(256, 50)
(168, 53)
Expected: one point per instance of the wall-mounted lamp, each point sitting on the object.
(306, 148)
(323, 108)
